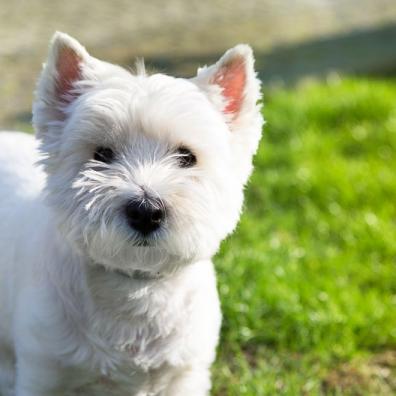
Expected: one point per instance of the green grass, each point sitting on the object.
(308, 281)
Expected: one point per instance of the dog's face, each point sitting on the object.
(146, 172)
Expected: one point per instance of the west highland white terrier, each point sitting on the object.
(110, 218)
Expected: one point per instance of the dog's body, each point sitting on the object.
(106, 283)
(151, 330)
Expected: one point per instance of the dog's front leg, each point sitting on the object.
(191, 382)
(40, 334)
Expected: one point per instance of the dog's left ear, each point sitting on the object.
(231, 85)
(68, 71)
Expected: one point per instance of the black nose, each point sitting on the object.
(145, 215)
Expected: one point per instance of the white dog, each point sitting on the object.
(109, 220)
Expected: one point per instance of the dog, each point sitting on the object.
(110, 216)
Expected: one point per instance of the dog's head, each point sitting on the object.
(146, 171)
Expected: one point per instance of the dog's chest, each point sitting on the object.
(138, 345)
(98, 386)
(138, 368)
(133, 383)
(142, 369)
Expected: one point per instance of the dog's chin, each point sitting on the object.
(158, 252)
(143, 255)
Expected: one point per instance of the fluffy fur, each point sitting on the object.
(86, 308)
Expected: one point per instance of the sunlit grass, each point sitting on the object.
(308, 281)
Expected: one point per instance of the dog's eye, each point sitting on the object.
(186, 158)
(104, 154)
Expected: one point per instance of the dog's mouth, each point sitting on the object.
(143, 243)
(149, 240)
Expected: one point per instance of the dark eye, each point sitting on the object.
(186, 158)
(104, 154)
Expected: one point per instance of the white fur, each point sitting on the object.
(71, 321)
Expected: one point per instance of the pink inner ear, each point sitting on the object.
(232, 79)
(69, 71)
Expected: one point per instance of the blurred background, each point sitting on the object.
(292, 39)
(308, 281)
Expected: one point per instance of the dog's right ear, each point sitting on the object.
(66, 74)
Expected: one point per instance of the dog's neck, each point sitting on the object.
(89, 290)
(137, 275)
(120, 297)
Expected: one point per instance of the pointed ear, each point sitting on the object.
(67, 65)
(231, 83)
(233, 88)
